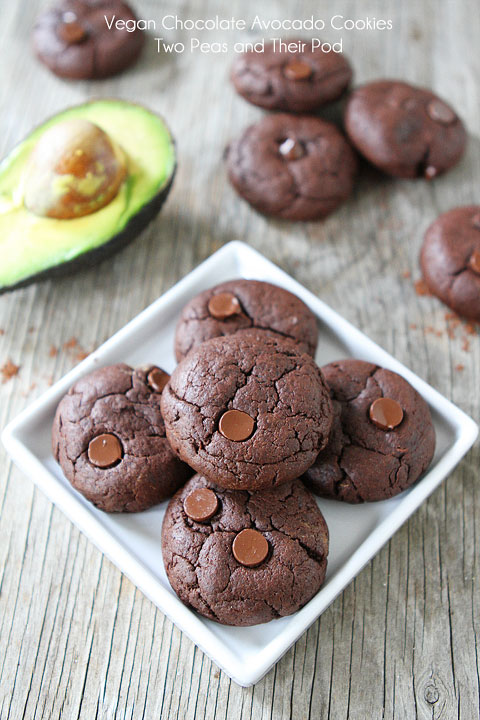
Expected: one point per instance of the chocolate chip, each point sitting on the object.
(157, 379)
(440, 112)
(71, 31)
(236, 425)
(386, 413)
(430, 172)
(201, 504)
(223, 305)
(476, 221)
(105, 450)
(297, 70)
(474, 262)
(250, 548)
(292, 149)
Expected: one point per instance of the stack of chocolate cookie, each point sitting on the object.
(250, 412)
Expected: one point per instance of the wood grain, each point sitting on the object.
(76, 638)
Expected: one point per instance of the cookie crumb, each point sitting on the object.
(421, 287)
(81, 355)
(460, 367)
(406, 274)
(70, 344)
(9, 370)
(466, 345)
(2, 331)
(53, 352)
(413, 326)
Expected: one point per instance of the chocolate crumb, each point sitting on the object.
(421, 287)
(70, 344)
(9, 370)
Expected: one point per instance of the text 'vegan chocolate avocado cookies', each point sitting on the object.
(74, 41)
(382, 438)
(239, 304)
(243, 558)
(298, 81)
(404, 130)
(109, 438)
(296, 168)
(248, 410)
(450, 260)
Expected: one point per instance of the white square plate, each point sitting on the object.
(132, 542)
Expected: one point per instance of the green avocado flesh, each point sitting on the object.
(31, 245)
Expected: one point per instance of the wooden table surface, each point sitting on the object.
(77, 639)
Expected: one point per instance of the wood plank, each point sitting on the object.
(79, 640)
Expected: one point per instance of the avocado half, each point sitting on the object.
(35, 248)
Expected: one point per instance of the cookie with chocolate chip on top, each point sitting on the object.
(87, 39)
(244, 304)
(109, 438)
(404, 130)
(248, 410)
(293, 76)
(450, 260)
(243, 558)
(292, 167)
(382, 439)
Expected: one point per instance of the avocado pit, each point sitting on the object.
(74, 170)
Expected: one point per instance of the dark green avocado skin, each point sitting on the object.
(134, 227)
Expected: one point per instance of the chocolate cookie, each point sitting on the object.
(239, 304)
(404, 130)
(297, 168)
(249, 412)
(297, 81)
(243, 558)
(382, 438)
(109, 438)
(74, 41)
(450, 260)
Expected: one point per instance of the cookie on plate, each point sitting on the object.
(450, 260)
(382, 438)
(243, 558)
(240, 304)
(74, 41)
(404, 130)
(297, 81)
(247, 410)
(296, 168)
(109, 438)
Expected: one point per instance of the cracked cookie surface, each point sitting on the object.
(205, 574)
(116, 400)
(450, 260)
(74, 41)
(265, 377)
(404, 130)
(262, 306)
(296, 168)
(297, 81)
(363, 463)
